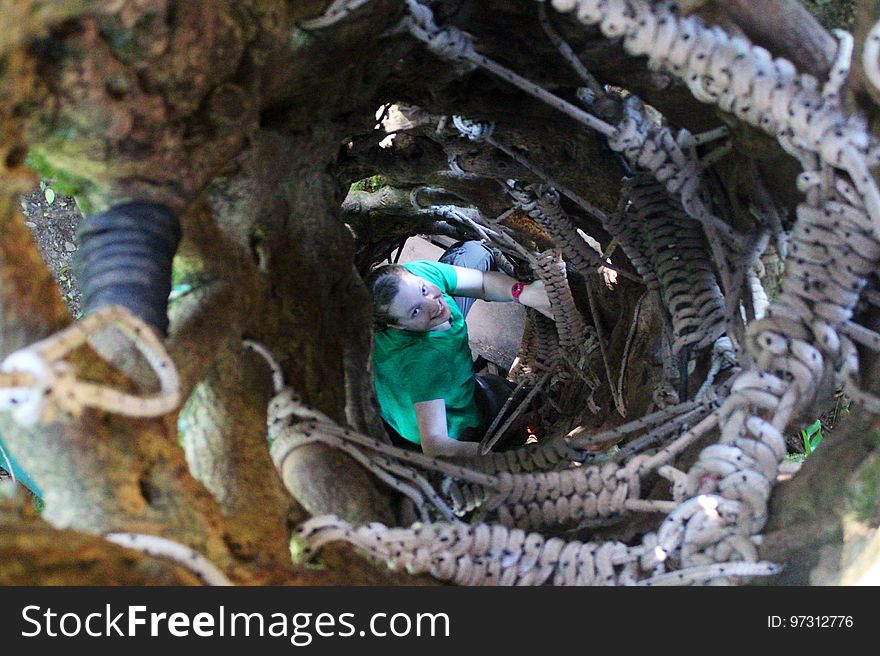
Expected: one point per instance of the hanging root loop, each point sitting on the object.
(39, 386)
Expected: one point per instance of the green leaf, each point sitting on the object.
(50, 195)
(812, 436)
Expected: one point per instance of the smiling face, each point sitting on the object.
(419, 305)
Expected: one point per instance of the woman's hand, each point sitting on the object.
(497, 286)
(534, 296)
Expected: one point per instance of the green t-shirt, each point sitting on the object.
(410, 367)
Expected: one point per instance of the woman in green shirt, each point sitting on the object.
(422, 368)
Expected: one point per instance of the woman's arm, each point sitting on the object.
(497, 286)
(434, 432)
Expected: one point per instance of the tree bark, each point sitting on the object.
(250, 127)
(223, 433)
(34, 553)
(786, 29)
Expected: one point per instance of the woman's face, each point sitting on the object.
(419, 305)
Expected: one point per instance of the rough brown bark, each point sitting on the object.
(786, 29)
(814, 514)
(223, 436)
(33, 553)
(250, 128)
(866, 97)
(322, 311)
(94, 474)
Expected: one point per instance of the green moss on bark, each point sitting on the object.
(864, 496)
(833, 14)
(64, 181)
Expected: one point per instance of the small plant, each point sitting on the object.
(38, 503)
(812, 436)
(370, 185)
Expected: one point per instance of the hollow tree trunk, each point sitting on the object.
(238, 118)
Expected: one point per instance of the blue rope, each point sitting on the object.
(20, 474)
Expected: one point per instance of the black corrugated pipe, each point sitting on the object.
(124, 258)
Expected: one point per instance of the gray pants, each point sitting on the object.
(470, 255)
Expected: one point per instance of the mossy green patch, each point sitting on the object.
(864, 497)
(187, 275)
(182, 424)
(832, 13)
(299, 38)
(62, 178)
(184, 270)
(300, 555)
(121, 40)
(371, 184)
